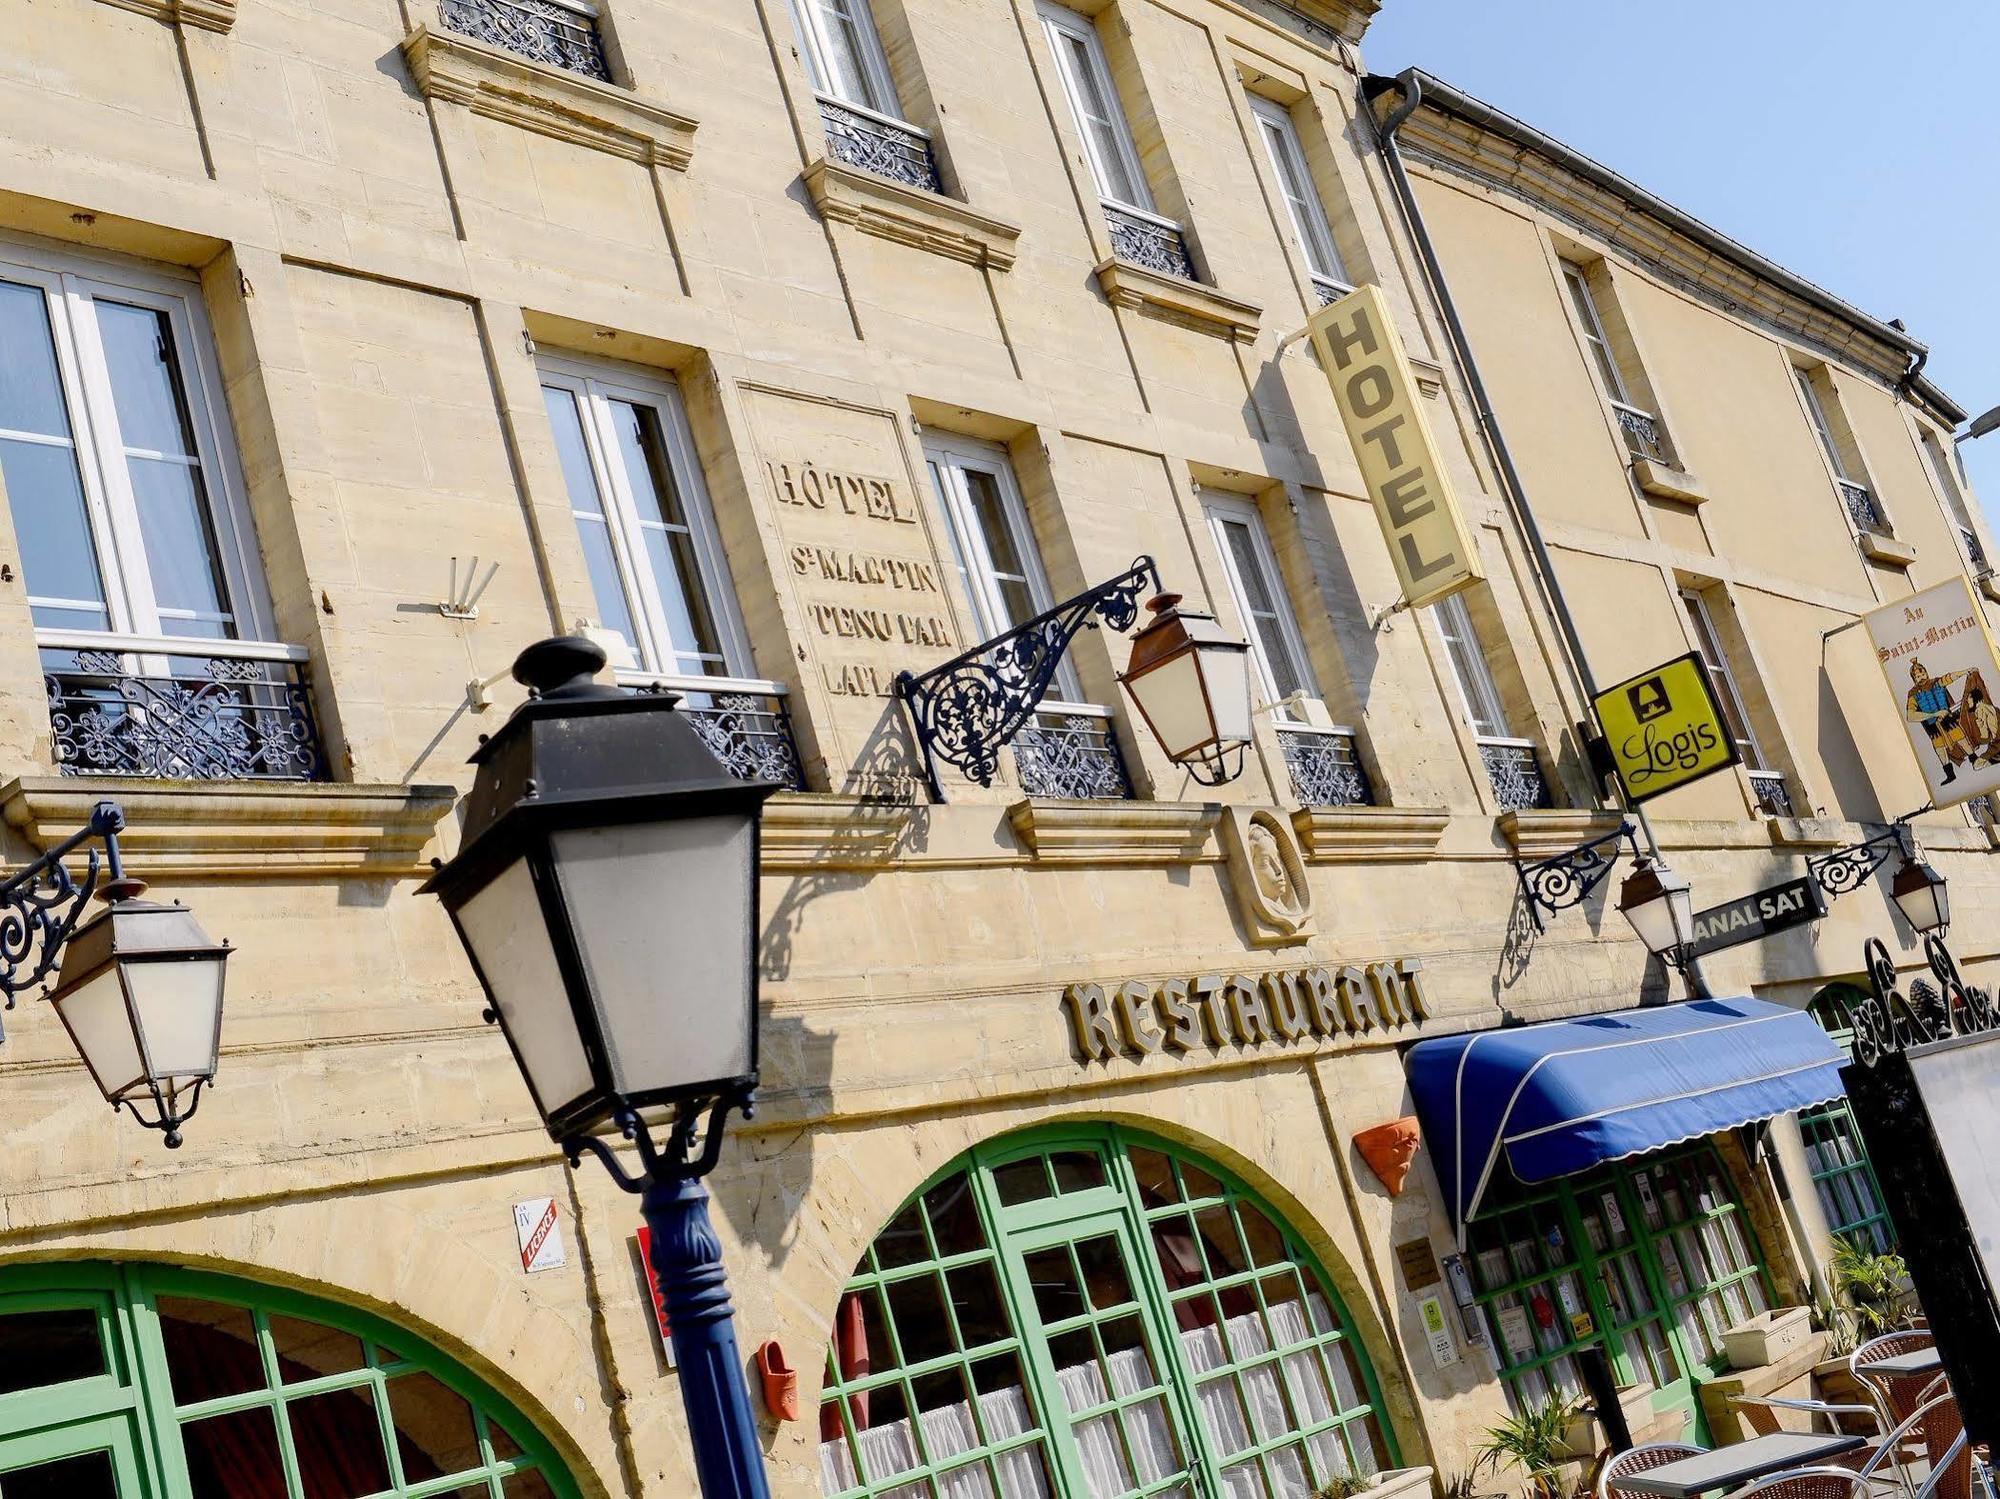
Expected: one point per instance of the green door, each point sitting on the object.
(1102, 1346)
(94, 1459)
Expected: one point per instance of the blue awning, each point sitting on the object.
(1561, 1097)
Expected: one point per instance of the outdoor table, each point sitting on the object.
(1729, 1467)
(1921, 1361)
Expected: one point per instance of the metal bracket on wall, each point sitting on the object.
(1566, 879)
(1849, 868)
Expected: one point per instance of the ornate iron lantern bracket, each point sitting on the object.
(965, 711)
(42, 905)
(1566, 879)
(1850, 868)
(1887, 1022)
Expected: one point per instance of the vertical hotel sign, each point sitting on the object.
(1939, 660)
(1364, 362)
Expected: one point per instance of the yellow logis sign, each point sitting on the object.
(1665, 728)
(1364, 362)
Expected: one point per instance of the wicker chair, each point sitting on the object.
(1642, 1460)
(1936, 1432)
(1895, 1395)
(1809, 1483)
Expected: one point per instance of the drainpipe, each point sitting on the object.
(1496, 441)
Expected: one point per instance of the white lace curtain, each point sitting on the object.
(890, 1449)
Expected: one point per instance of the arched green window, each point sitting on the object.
(1092, 1313)
(149, 1382)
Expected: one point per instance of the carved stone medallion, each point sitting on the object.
(1267, 876)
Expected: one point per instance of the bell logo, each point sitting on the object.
(1649, 699)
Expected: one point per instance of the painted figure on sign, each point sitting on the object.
(1930, 703)
(1982, 727)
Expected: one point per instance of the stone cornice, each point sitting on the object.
(548, 101)
(1540, 835)
(1202, 308)
(925, 221)
(1368, 835)
(1116, 832)
(262, 830)
(204, 15)
(810, 831)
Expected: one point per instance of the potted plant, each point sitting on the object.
(1870, 1285)
(1536, 1439)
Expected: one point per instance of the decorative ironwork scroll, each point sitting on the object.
(226, 720)
(1518, 782)
(751, 735)
(1073, 755)
(1850, 868)
(44, 903)
(899, 152)
(1326, 771)
(539, 30)
(967, 710)
(1774, 797)
(1861, 507)
(1146, 243)
(1565, 880)
(1885, 1021)
(1642, 432)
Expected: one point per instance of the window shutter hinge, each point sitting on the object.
(527, 343)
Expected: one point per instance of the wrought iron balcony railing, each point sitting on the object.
(560, 33)
(1861, 507)
(1069, 750)
(1774, 797)
(1974, 552)
(1516, 774)
(1326, 771)
(747, 722)
(179, 710)
(1642, 433)
(876, 143)
(1147, 240)
(1328, 290)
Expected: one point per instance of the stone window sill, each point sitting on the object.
(1989, 585)
(548, 101)
(1665, 481)
(1116, 832)
(1202, 308)
(235, 829)
(897, 212)
(1353, 835)
(1540, 834)
(204, 15)
(1887, 549)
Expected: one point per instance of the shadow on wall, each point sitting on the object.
(1854, 793)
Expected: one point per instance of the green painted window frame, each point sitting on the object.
(1836, 1155)
(1572, 1205)
(1112, 1194)
(138, 1388)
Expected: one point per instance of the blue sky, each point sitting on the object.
(1856, 143)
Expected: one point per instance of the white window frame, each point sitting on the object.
(1478, 694)
(1604, 362)
(1953, 495)
(1058, 21)
(1822, 425)
(810, 21)
(1225, 510)
(595, 385)
(71, 283)
(1708, 644)
(949, 456)
(1310, 228)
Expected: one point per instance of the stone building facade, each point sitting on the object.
(791, 348)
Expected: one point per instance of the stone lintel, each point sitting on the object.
(907, 216)
(1369, 835)
(1116, 832)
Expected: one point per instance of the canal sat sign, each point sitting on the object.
(1364, 361)
(1939, 660)
(1665, 728)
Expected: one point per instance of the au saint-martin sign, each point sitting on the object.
(1751, 917)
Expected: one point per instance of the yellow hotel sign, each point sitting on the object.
(1665, 728)
(1370, 375)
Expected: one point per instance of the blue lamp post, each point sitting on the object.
(606, 892)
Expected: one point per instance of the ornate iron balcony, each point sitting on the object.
(1861, 507)
(1155, 244)
(1326, 772)
(1329, 290)
(184, 715)
(1518, 782)
(747, 723)
(874, 143)
(1774, 797)
(1072, 753)
(1974, 552)
(1642, 432)
(544, 31)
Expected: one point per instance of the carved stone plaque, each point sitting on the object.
(1267, 875)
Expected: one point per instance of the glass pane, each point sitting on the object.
(975, 1300)
(52, 528)
(1155, 1175)
(88, 1475)
(528, 1485)
(1218, 1237)
(848, 78)
(606, 587)
(1104, 1275)
(181, 552)
(31, 398)
(954, 1216)
(434, 1433)
(1058, 1297)
(1077, 1170)
(505, 1448)
(902, 1241)
(145, 378)
(52, 1347)
(917, 1305)
(211, 1348)
(1198, 1182)
(1021, 1181)
(308, 1350)
(338, 1442)
(233, 1457)
(656, 497)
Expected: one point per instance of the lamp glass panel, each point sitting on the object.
(1926, 905)
(1228, 675)
(504, 927)
(1170, 697)
(1654, 923)
(1680, 912)
(98, 1022)
(178, 1003)
(662, 913)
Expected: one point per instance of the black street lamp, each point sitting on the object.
(1660, 906)
(1920, 894)
(606, 893)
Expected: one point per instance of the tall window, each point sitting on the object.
(1092, 1313)
(1310, 228)
(1829, 425)
(126, 505)
(1623, 380)
(1768, 782)
(1086, 77)
(1585, 300)
(1954, 501)
(1843, 1177)
(1822, 428)
(1478, 694)
(656, 568)
(1283, 670)
(843, 53)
